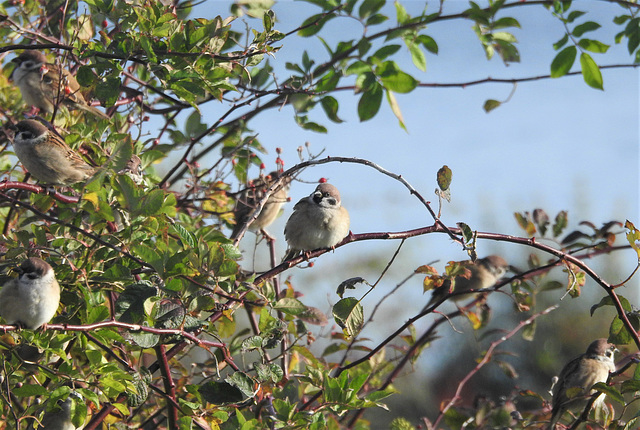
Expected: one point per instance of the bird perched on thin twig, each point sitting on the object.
(31, 299)
(252, 195)
(46, 85)
(47, 156)
(573, 388)
(485, 273)
(318, 221)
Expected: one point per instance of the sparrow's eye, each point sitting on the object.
(26, 135)
(32, 275)
(28, 64)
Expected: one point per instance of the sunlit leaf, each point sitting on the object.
(563, 61)
(590, 71)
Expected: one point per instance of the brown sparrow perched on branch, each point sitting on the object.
(317, 221)
(485, 273)
(45, 85)
(46, 156)
(573, 388)
(250, 197)
(31, 299)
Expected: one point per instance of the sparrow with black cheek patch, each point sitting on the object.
(31, 299)
(250, 197)
(573, 388)
(45, 85)
(47, 156)
(485, 273)
(317, 221)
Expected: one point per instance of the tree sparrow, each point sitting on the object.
(485, 273)
(250, 197)
(45, 85)
(31, 299)
(573, 388)
(317, 221)
(46, 156)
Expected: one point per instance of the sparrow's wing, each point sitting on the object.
(77, 161)
(570, 376)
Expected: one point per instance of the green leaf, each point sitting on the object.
(85, 76)
(444, 177)
(314, 24)
(349, 315)
(243, 382)
(504, 23)
(358, 67)
(563, 62)
(561, 221)
(108, 91)
(573, 15)
(328, 82)
(376, 19)
(187, 238)
(467, 233)
(630, 386)
(429, 43)
(290, 306)
(370, 7)
(268, 372)
(144, 339)
(618, 333)
(267, 20)
(130, 304)
(29, 390)
(383, 53)
(621, 19)
(363, 47)
(611, 392)
(590, 71)
(401, 424)
(490, 105)
(330, 106)
(370, 102)
(560, 43)
(593, 46)
(584, 28)
(401, 13)
(395, 108)
(350, 284)
(395, 79)
(417, 56)
(220, 393)
(252, 343)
